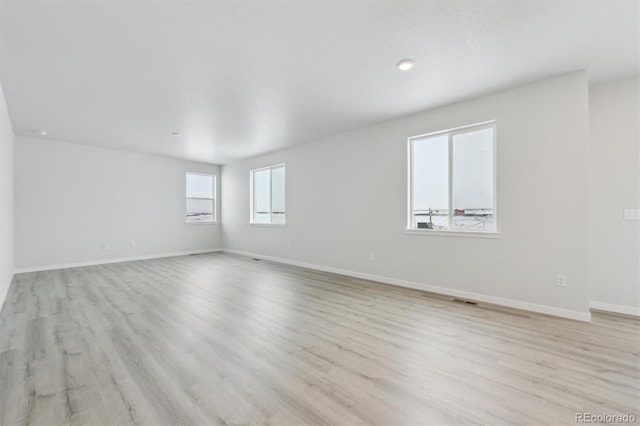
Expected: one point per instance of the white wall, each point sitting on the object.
(346, 197)
(614, 184)
(71, 199)
(6, 199)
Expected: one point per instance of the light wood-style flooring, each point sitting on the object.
(224, 339)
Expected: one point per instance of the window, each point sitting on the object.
(452, 180)
(201, 191)
(267, 196)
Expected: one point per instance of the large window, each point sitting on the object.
(452, 180)
(267, 195)
(201, 190)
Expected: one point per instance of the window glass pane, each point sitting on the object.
(262, 218)
(262, 196)
(199, 186)
(430, 166)
(473, 181)
(277, 195)
(199, 210)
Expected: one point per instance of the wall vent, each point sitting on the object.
(466, 302)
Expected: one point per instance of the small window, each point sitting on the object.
(267, 196)
(452, 180)
(201, 190)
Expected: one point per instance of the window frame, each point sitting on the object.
(451, 232)
(252, 196)
(213, 199)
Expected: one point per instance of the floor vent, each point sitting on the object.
(257, 260)
(466, 302)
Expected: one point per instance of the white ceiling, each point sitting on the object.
(239, 78)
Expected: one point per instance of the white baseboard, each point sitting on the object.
(618, 309)
(543, 309)
(526, 306)
(116, 260)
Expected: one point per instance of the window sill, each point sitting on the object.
(467, 234)
(268, 225)
(200, 223)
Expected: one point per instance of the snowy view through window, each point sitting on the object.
(268, 196)
(466, 190)
(200, 203)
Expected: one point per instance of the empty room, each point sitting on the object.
(319, 212)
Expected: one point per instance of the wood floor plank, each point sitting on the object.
(223, 339)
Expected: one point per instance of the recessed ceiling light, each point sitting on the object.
(40, 132)
(176, 134)
(405, 64)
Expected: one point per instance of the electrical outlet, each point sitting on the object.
(132, 244)
(372, 257)
(561, 280)
(106, 246)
